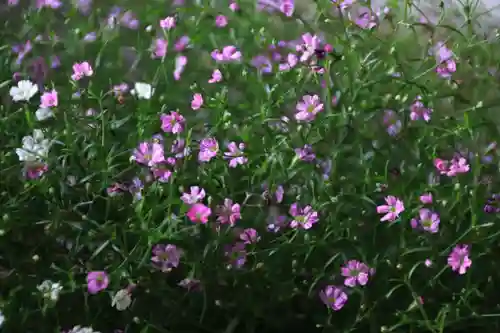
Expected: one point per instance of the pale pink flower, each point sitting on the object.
(167, 23)
(49, 99)
(197, 101)
(180, 65)
(160, 46)
(172, 123)
(426, 198)
(235, 154)
(97, 281)
(216, 76)
(81, 70)
(308, 108)
(221, 21)
(391, 209)
(228, 54)
(195, 195)
(208, 149)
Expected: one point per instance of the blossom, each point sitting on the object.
(159, 48)
(43, 114)
(228, 54)
(392, 122)
(166, 257)
(97, 281)
(50, 290)
(34, 148)
(355, 272)
(229, 212)
(287, 7)
(419, 111)
(208, 149)
(80, 70)
(199, 213)
(235, 154)
(333, 297)
(167, 23)
(426, 198)
(122, 299)
(149, 154)
(262, 63)
(49, 99)
(143, 90)
(303, 218)
(305, 153)
(310, 43)
(428, 221)
(173, 122)
(180, 65)
(308, 108)
(196, 195)
(391, 209)
(459, 259)
(24, 91)
(249, 236)
(220, 21)
(458, 165)
(237, 255)
(197, 101)
(216, 76)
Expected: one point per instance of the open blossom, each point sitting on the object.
(308, 108)
(419, 111)
(24, 91)
(50, 290)
(228, 213)
(391, 209)
(305, 153)
(228, 54)
(159, 48)
(172, 123)
(142, 90)
(197, 101)
(208, 149)
(426, 198)
(49, 99)
(310, 43)
(167, 23)
(80, 70)
(333, 297)
(249, 236)
(216, 76)
(97, 281)
(122, 299)
(459, 259)
(34, 148)
(355, 273)
(149, 154)
(199, 213)
(427, 221)
(235, 154)
(452, 168)
(303, 218)
(166, 257)
(195, 195)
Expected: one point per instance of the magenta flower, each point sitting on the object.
(180, 65)
(419, 111)
(249, 236)
(208, 149)
(308, 108)
(196, 195)
(167, 23)
(81, 70)
(166, 257)
(458, 165)
(333, 297)
(427, 221)
(391, 209)
(229, 54)
(459, 259)
(235, 154)
(228, 213)
(159, 48)
(197, 101)
(149, 154)
(355, 273)
(221, 21)
(172, 123)
(97, 281)
(426, 198)
(49, 99)
(216, 76)
(303, 218)
(199, 213)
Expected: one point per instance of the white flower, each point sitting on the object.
(50, 290)
(143, 90)
(43, 114)
(34, 147)
(24, 91)
(121, 300)
(79, 329)
(2, 318)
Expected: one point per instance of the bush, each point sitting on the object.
(174, 167)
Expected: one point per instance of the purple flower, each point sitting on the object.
(305, 153)
(229, 54)
(355, 273)
(228, 213)
(172, 123)
(166, 257)
(236, 254)
(419, 111)
(459, 259)
(249, 236)
(208, 149)
(308, 108)
(392, 122)
(303, 218)
(428, 221)
(262, 63)
(333, 297)
(97, 281)
(235, 154)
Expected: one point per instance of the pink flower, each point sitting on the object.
(458, 165)
(228, 213)
(208, 149)
(308, 108)
(182, 43)
(310, 43)
(97, 281)
(355, 273)
(419, 111)
(221, 21)
(427, 221)
(80, 70)
(391, 209)
(249, 236)
(49, 99)
(196, 194)
(180, 65)
(167, 23)
(229, 54)
(235, 154)
(459, 259)
(216, 76)
(149, 154)
(172, 123)
(303, 218)
(197, 101)
(159, 48)
(426, 198)
(199, 213)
